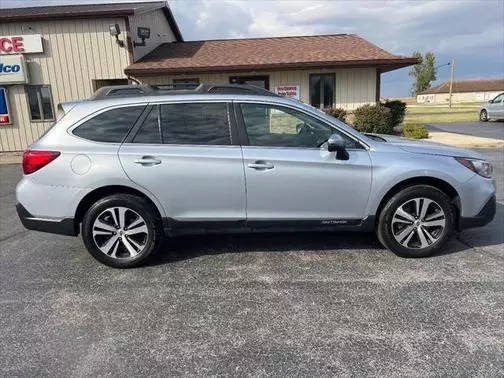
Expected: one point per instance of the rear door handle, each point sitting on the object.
(261, 165)
(148, 161)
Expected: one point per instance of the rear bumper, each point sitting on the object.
(64, 226)
(485, 216)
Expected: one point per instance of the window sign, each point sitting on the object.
(5, 118)
(288, 91)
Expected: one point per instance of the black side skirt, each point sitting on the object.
(173, 227)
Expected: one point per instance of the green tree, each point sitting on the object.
(424, 72)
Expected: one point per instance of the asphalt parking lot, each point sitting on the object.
(314, 304)
(492, 129)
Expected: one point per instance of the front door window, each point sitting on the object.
(278, 126)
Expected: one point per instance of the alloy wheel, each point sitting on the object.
(120, 232)
(418, 223)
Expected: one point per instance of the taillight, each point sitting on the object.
(34, 160)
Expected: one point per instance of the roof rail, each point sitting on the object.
(177, 89)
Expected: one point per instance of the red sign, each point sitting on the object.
(21, 44)
(11, 44)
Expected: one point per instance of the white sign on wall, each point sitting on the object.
(288, 91)
(21, 44)
(13, 69)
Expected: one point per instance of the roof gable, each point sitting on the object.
(265, 53)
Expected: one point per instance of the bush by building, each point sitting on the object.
(397, 110)
(374, 119)
(415, 131)
(338, 113)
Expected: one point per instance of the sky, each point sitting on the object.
(469, 31)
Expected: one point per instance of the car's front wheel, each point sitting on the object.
(121, 230)
(416, 222)
(483, 116)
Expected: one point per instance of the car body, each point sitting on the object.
(280, 165)
(494, 109)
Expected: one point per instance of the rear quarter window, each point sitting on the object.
(111, 126)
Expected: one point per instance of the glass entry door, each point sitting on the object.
(322, 90)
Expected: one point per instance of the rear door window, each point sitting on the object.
(111, 126)
(195, 124)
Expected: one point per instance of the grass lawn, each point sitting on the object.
(430, 113)
(442, 117)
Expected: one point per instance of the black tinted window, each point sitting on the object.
(149, 132)
(198, 123)
(110, 126)
(284, 127)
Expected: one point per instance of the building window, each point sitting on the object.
(322, 90)
(40, 102)
(258, 81)
(193, 80)
(186, 83)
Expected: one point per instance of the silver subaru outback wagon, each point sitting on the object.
(134, 164)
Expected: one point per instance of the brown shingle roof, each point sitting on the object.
(486, 85)
(87, 11)
(266, 53)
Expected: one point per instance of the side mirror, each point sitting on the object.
(490, 101)
(336, 143)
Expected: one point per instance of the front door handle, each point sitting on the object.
(261, 165)
(148, 161)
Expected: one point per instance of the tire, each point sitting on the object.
(106, 234)
(402, 233)
(483, 116)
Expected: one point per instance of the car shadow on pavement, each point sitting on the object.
(188, 247)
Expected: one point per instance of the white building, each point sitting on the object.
(462, 91)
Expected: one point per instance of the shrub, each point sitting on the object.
(397, 110)
(338, 113)
(415, 131)
(374, 119)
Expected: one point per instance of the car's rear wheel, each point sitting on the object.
(483, 116)
(121, 230)
(416, 222)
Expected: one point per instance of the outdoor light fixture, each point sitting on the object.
(142, 33)
(114, 32)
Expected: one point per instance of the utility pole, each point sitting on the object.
(451, 79)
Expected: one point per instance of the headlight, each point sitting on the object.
(481, 167)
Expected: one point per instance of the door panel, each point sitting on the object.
(192, 182)
(306, 184)
(185, 154)
(289, 176)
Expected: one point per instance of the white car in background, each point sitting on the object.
(494, 109)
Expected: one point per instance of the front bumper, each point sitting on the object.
(485, 216)
(64, 226)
